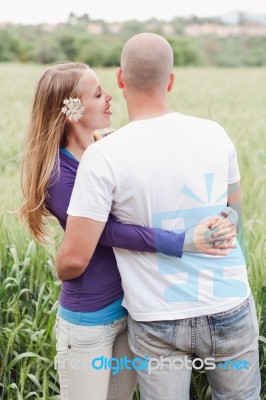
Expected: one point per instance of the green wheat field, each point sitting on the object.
(29, 288)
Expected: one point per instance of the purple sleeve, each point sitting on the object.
(58, 195)
(115, 234)
(137, 238)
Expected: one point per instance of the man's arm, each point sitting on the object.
(234, 201)
(78, 245)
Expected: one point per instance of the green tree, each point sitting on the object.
(11, 46)
(185, 51)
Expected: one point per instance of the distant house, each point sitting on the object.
(168, 29)
(95, 28)
(115, 27)
(49, 27)
(213, 29)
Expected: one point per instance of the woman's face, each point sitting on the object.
(96, 102)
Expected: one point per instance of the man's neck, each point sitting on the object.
(146, 107)
(146, 114)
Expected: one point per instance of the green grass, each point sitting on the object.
(29, 289)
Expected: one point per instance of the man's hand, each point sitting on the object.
(221, 229)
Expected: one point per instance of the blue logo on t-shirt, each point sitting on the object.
(192, 263)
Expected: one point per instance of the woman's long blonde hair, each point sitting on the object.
(47, 132)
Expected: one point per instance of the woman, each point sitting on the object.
(69, 106)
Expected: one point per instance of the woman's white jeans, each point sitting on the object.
(83, 361)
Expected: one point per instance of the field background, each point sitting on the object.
(235, 98)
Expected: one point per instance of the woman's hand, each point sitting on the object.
(214, 236)
(100, 135)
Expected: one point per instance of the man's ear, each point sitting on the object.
(171, 82)
(119, 78)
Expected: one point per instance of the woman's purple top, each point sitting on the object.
(100, 284)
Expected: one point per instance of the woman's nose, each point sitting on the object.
(108, 97)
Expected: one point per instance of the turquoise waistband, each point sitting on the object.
(110, 313)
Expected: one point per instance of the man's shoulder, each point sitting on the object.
(204, 125)
(101, 149)
(200, 121)
(109, 140)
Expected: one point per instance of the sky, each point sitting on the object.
(53, 11)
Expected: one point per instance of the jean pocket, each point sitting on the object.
(232, 331)
(119, 325)
(153, 339)
(81, 336)
(61, 332)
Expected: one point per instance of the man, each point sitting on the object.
(168, 170)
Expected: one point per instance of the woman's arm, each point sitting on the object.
(132, 237)
(200, 238)
(138, 238)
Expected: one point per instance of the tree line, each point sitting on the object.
(36, 44)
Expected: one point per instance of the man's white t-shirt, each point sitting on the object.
(168, 172)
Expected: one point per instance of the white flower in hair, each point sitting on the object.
(72, 109)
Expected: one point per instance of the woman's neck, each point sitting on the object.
(78, 143)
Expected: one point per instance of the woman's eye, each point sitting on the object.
(99, 95)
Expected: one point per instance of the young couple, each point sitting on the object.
(185, 286)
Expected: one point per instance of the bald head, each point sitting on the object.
(147, 62)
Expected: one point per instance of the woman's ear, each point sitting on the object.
(71, 121)
(119, 78)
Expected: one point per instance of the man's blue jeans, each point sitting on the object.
(229, 340)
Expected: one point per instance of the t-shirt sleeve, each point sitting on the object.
(94, 187)
(233, 168)
(233, 171)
